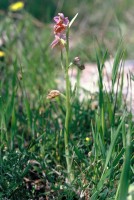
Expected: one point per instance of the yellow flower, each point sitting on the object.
(16, 6)
(87, 139)
(2, 54)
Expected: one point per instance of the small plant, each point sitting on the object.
(61, 32)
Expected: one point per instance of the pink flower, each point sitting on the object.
(59, 29)
(60, 40)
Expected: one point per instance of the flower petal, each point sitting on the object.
(56, 19)
(55, 42)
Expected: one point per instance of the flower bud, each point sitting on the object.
(78, 63)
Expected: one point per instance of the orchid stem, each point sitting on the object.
(68, 114)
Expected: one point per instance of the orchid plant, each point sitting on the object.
(61, 33)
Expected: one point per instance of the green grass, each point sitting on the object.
(32, 128)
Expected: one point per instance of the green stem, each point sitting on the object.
(68, 114)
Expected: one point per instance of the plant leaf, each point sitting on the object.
(72, 21)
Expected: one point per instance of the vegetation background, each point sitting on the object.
(31, 127)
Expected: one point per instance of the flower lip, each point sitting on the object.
(58, 28)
